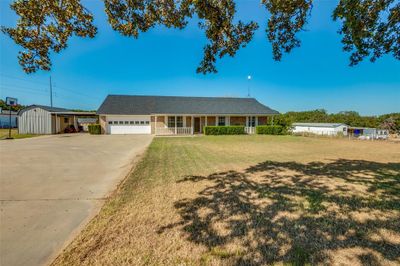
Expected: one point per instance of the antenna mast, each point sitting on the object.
(248, 85)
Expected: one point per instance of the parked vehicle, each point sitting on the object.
(70, 129)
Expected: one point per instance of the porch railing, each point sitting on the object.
(250, 130)
(173, 131)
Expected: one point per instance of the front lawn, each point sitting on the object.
(250, 200)
(4, 133)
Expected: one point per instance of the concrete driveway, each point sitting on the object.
(52, 185)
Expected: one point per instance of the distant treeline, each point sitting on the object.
(351, 118)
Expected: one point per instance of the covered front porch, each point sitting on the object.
(194, 124)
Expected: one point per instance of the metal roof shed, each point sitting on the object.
(41, 119)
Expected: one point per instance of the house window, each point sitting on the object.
(179, 121)
(66, 120)
(131, 122)
(221, 121)
(110, 122)
(126, 122)
(121, 122)
(136, 122)
(142, 122)
(147, 122)
(171, 121)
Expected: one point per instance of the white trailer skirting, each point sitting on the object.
(321, 130)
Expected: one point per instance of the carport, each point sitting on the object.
(40, 119)
(63, 120)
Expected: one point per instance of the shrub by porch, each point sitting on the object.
(224, 130)
(271, 130)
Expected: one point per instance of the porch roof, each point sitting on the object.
(146, 105)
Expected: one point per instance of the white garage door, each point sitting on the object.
(129, 125)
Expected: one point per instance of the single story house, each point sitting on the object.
(329, 129)
(172, 115)
(41, 119)
(5, 119)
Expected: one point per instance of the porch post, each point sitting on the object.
(175, 126)
(206, 121)
(56, 124)
(192, 124)
(155, 125)
(272, 120)
(75, 123)
(247, 121)
(216, 120)
(256, 120)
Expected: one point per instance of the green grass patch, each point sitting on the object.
(4, 133)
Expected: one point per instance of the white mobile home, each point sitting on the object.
(326, 129)
(40, 119)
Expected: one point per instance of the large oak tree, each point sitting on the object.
(369, 29)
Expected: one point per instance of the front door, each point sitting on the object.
(197, 125)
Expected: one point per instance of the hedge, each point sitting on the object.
(271, 130)
(94, 129)
(224, 130)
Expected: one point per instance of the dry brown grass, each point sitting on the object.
(251, 200)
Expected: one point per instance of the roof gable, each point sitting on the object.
(146, 105)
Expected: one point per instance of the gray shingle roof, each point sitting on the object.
(318, 124)
(145, 105)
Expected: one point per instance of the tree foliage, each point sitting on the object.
(370, 28)
(46, 25)
(288, 17)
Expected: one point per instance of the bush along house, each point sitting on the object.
(173, 115)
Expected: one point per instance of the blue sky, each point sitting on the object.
(164, 61)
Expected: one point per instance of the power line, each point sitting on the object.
(23, 79)
(79, 93)
(47, 84)
(11, 86)
(23, 90)
(51, 94)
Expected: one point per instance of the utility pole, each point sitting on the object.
(51, 93)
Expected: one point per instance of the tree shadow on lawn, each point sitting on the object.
(296, 213)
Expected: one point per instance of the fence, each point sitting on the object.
(250, 130)
(173, 131)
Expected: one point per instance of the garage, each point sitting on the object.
(129, 124)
